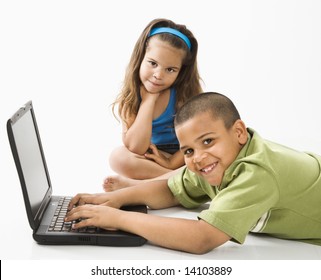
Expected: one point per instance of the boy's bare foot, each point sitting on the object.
(116, 182)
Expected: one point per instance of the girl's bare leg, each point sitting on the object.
(132, 169)
(134, 166)
(115, 182)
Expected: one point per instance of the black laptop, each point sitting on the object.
(45, 211)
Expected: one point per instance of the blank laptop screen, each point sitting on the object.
(30, 156)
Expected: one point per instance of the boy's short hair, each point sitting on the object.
(220, 106)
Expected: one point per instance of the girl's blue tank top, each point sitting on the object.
(163, 127)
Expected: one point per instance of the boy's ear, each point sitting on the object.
(241, 131)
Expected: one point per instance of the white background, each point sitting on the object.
(69, 58)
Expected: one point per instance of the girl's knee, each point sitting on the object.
(122, 161)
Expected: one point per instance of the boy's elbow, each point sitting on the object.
(209, 238)
(203, 247)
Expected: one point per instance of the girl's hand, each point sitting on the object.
(93, 215)
(146, 94)
(105, 199)
(158, 157)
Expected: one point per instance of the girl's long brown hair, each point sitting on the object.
(187, 83)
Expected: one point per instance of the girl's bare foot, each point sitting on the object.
(116, 182)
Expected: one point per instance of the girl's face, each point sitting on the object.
(160, 66)
(208, 147)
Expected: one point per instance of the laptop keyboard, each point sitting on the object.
(58, 223)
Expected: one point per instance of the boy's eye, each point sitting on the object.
(188, 152)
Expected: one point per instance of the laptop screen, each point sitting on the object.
(29, 155)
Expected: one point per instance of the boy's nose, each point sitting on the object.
(198, 157)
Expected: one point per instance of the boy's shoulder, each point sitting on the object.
(264, 158)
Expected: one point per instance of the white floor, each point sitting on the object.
(16, 241)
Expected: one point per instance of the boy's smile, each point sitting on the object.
(208, 147)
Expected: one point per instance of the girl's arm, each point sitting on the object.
(173, 162)
(137, 135)
(176, 160)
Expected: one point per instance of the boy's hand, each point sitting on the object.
(93, 215)
(104, 199)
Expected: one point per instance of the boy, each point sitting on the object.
(254, 186)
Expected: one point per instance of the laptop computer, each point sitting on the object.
(41, 206)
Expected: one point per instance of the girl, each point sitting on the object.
(162, 74)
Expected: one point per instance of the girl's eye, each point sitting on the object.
(207, 141)
(170, 70)
(152, 63)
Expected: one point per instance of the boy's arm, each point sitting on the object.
(194, 236)
(155, 194)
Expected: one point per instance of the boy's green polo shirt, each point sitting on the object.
(268, 189)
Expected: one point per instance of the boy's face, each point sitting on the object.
(208, 147)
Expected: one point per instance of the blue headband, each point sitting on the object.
(158, 30)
